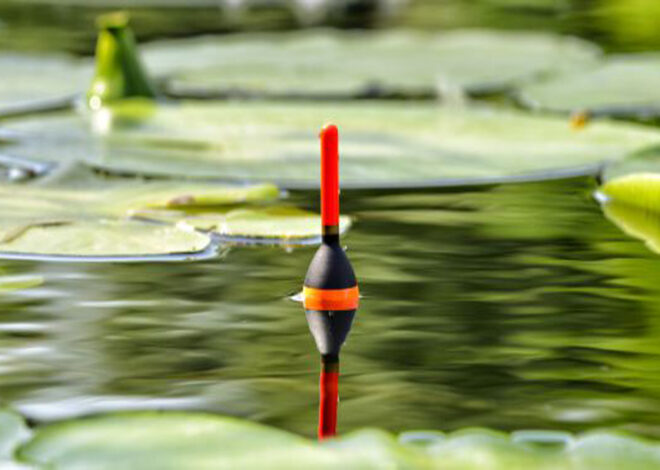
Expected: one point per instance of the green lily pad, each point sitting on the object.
(638, 223)
(100, 238)
(175, 440)
(644, 161)
(382, 143)
(171, 441)
(281, 224)
(632, 202)
(641, 190)
(32, 83)
(623, 86)
(13, 431)
(76, 215)
(362, 64)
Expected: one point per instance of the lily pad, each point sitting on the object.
(191, 440)
(101, 238)
(644, 161)
(362, 64)
(275, 224)
(641, 190)
(632, 202)
(87, 217)
(623, 86)
(171, 441)
(636, 222)
(32, 83)
(76, 213)
(13, 431)
(383, 144)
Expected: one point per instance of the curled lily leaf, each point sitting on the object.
(119, 72)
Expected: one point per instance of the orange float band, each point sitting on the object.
(331, 299)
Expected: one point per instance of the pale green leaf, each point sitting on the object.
(635, 221)
(644, 161)
(625, 85)
(281, 223)
(38, 82)
(640, 190)
(101, 238)
(332, 63)
(381, 143)
(75, 214)
(190, 440)
(171, 441)
(632, 202)
(13, 431)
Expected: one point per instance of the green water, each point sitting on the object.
(511, 307)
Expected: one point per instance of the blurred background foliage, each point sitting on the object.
(618, 25)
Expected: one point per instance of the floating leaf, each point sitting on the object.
(632, 202)
(190, 440)
(645, 161)
(75, 213)
(81, 215)
(102, 238)
(640, 190)
(171, 441)
(624, 86)
(291, 222)
(636, 222)
(13, 431)
(382, 143)
(362, 64)
(31, 83)
(276, 223)
(379, 449)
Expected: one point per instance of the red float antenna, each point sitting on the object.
(330, 178)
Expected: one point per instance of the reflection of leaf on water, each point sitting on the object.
(19, 282)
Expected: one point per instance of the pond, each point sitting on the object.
(159, 210)
(513, 306)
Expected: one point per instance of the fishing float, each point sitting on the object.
(330, 290)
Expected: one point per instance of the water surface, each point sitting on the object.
(515, 306)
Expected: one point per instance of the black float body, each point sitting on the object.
(330, 269)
